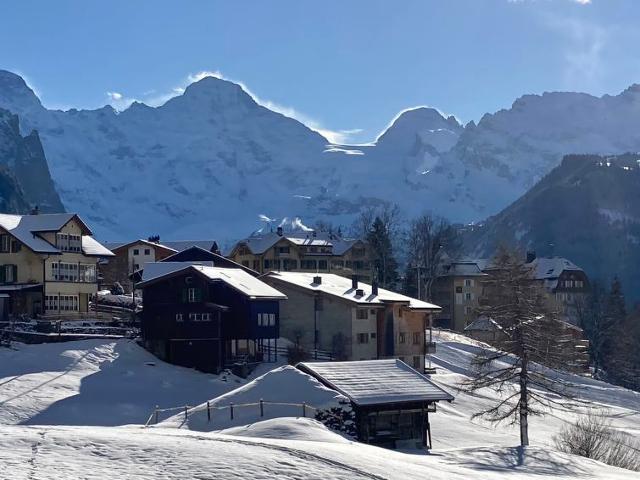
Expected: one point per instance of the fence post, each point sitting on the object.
(304, 409)
(208, 411)
(261, 408)
(156, 412)
(231, 410)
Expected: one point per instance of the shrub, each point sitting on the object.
(593, 437)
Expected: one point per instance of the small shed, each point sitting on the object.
(391, 400)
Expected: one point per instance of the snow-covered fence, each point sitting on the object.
(305, 410)
(322, 355)
(336, 418)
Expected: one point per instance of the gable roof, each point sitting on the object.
(463, 268)
(119, 246)
(375, 382)
(206, 255)
(260, 243)
(181, 245)
(341, 287)
(549, 268)
(26, 227)
(236, 278)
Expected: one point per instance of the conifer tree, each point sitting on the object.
(383, 261)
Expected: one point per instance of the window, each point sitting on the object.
(8, 273)
(61, 302)
(373, 335)
(416, 338)
(5, 243)
(179, 317)
(16, 246)
(467, 310)
(289, 264)
(200, 317)
(322, 265)
(468, 283)
(402, 337)
(266, 319)
(256, 265)
(416, 361)
(282, 249)
(192, 295)
(362, 314)
(468, 296)
(68, 242)
(65, 272)
(363, 338)
(308, 264)
(147, 251)
(136, 251)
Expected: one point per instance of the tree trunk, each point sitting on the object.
(524, 404)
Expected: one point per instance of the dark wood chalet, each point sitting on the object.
(207, 317)
(391, 400)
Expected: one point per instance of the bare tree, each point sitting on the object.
(388, 213)
(429, 241)
(534, 346)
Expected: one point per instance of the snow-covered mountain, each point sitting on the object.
(209, 161)
(24, 175)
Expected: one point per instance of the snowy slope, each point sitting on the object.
(57, 453)
(209, 161)
(100, 382)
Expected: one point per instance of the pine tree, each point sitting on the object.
(610, 328)
(533, 344)
(383, 261)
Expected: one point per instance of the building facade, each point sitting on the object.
(304, 251)
(350, 319)
(48, 263)
(457, 289)
(207, 317)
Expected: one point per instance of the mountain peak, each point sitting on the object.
(419, 125)
(220, 91)
(15, 94)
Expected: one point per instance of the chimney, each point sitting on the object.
(354, 282)
(279, 231)
(359, 293)
(317, 280)
(35, 210)
(531, 256)
(374, 288)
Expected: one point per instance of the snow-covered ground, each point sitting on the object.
(59, 403)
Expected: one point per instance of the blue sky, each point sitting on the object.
(346, 67)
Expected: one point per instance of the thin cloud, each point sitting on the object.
(119, 101)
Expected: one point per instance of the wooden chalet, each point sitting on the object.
(207, 317)
(391, 400)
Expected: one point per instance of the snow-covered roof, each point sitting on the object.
(91, 247)
(550, 268)
(140, 241)
(235, 277)
(462, 269)
(26, 227)
(181, 245)
(484, 324)
(260, 243)
(341, 287)
(374, 382)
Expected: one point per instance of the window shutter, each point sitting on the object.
(185, 294)
(15, 273)
(198, 295)
(2, 275)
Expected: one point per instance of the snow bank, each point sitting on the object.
(287, 429)
(285, 384)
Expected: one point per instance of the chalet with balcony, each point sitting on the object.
(48, 263)
(208, 317)
(304, 251)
